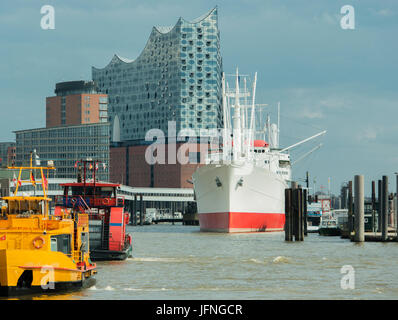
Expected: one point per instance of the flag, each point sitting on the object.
(32, 178)
(15, 181)
(3, 237)
(90, 167)
(76, 164)
(45, 182)
(104, 165)
(96, 167)
(36, 158)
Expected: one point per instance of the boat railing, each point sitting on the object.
(71, 201)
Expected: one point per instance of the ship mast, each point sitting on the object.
(237, 143)
(226, 120)
(250, 140)
(279, 109)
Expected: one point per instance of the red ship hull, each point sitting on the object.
(241, 222)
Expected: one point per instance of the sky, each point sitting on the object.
(325, 77)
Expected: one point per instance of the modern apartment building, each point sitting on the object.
(177, 77)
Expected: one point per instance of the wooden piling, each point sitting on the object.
(350, 207)
(379, 206)
(359, 206)
(134, 211)
(374, 207)
(384, 213)
(288, 215)
(141, 210)
(396, 208)
(294, 213)
(305, 212)
(300, 218)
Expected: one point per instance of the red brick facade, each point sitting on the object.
(79, 109)
(139, 173)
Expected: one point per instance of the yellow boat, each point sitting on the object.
(38, 251)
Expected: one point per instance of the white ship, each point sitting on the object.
(241, 188)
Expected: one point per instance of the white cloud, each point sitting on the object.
(311, 114)
(385, 12)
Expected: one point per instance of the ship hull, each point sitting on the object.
(329, 231)
(109, 255)
(24, 272)
(58, 287)
(239, 198)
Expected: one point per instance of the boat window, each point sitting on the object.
(284, 163)
(106, 191)
(54, 246)
(76, 191)
(61, 243)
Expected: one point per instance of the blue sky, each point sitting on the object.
(326, 78)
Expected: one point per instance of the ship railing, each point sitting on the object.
(71, 201)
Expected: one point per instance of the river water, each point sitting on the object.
(179, 262)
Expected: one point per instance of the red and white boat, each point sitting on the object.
(105, 207)
(242, 187)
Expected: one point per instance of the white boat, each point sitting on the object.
(242, 187)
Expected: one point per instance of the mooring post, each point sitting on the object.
(373, 206)
(131, 209)
(305, 212)
(141, 210)
(350, 213)
(288, 215)
(294, 210)
(396, 208)
(379, 206)
(173, 205)
(359, 209)
(300, 215)
(297, 215)
(384, 196)
(134, 211)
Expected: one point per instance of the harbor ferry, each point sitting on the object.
(105, 208)
(39, 252)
